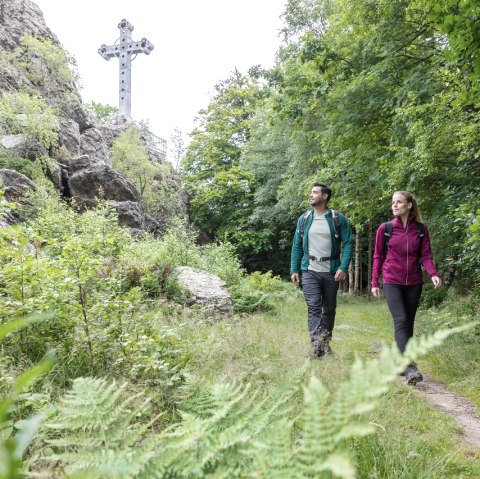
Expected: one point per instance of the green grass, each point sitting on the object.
(457, 361)
(413, 439)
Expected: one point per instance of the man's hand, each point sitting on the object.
(340, 275)
(295, 277)
(376, 292)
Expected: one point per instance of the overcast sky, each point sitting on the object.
(197, 43)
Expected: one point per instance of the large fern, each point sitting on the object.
(97, 429)
(226, 430)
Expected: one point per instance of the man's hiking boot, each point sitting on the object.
(413, 375)
(321, 344)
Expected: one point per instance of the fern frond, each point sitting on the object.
(96, 429)
(226, 430)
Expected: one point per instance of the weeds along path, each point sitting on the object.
(459, 408)
(263, 348)
(456, 406)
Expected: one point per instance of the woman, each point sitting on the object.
(401, 248)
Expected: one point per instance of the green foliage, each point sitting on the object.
(40, 67)
(30, 116)
(101, 111)
(220, 190)
(258, 292)
(67, 263)
(15, 437)
(47, 65)
(129, 155)
(13, 162)
(457, 20)
(226, 430)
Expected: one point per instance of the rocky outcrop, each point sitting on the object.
(18, 17)
(14, 184)
(89, 179)
(23, 17)
(205, 290)
(82, 170)
(23, 147)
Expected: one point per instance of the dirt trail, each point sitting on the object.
(458, 407)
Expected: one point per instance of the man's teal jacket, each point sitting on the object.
(298, 262)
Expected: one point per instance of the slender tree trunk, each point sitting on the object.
(351, 276)
(370, 254)
(356, 287)
(449, 275)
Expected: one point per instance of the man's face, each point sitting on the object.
(316, 196)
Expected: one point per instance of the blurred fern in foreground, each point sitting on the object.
(226, 430)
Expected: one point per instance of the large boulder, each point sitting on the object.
(89, 179)
(14, 184)
(205, 290)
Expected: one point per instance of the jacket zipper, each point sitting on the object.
(406, 234)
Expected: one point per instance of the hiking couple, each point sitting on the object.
(401, 247)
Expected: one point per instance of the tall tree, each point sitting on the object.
(220, 190)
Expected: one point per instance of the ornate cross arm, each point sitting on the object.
(124, 51)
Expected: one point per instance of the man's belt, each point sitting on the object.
(319, 259)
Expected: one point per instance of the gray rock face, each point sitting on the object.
(69, 136)
(18, 17)
(15, 184)
(89, 179)
(93, 144)
(23, 147)
(205, 290)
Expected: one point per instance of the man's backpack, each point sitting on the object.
(336, 225)
(387, 233)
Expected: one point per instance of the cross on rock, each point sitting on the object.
(124, 51)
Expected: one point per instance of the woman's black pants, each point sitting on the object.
(403, 303)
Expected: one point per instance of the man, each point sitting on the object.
(316, 265)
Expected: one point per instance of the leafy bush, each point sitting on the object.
(257, 292)
(68, 263)
(221, 259)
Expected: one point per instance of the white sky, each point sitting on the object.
(197, 43)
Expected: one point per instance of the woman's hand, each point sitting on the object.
(437, 282)
(376, 292)
(295, 277)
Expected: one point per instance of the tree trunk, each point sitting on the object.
(370, 255)
(449, 275)
(350, 279)
(356, 287)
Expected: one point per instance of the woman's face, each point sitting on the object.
(400, 206)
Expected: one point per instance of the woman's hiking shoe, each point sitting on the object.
(413, 375)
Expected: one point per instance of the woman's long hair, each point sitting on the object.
(414, 210)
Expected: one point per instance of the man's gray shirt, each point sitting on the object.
(319, 243)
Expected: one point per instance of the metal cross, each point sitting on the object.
(124, 51)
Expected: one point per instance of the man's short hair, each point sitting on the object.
(324, 189)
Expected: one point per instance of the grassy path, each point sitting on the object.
(414, 439)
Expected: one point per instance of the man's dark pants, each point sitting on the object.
(320, 292)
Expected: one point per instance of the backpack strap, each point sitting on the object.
(302, 224)
(387, 234)
(421, 234)
(421, 230)
(336, 226)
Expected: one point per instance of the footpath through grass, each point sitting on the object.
(413, 439)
